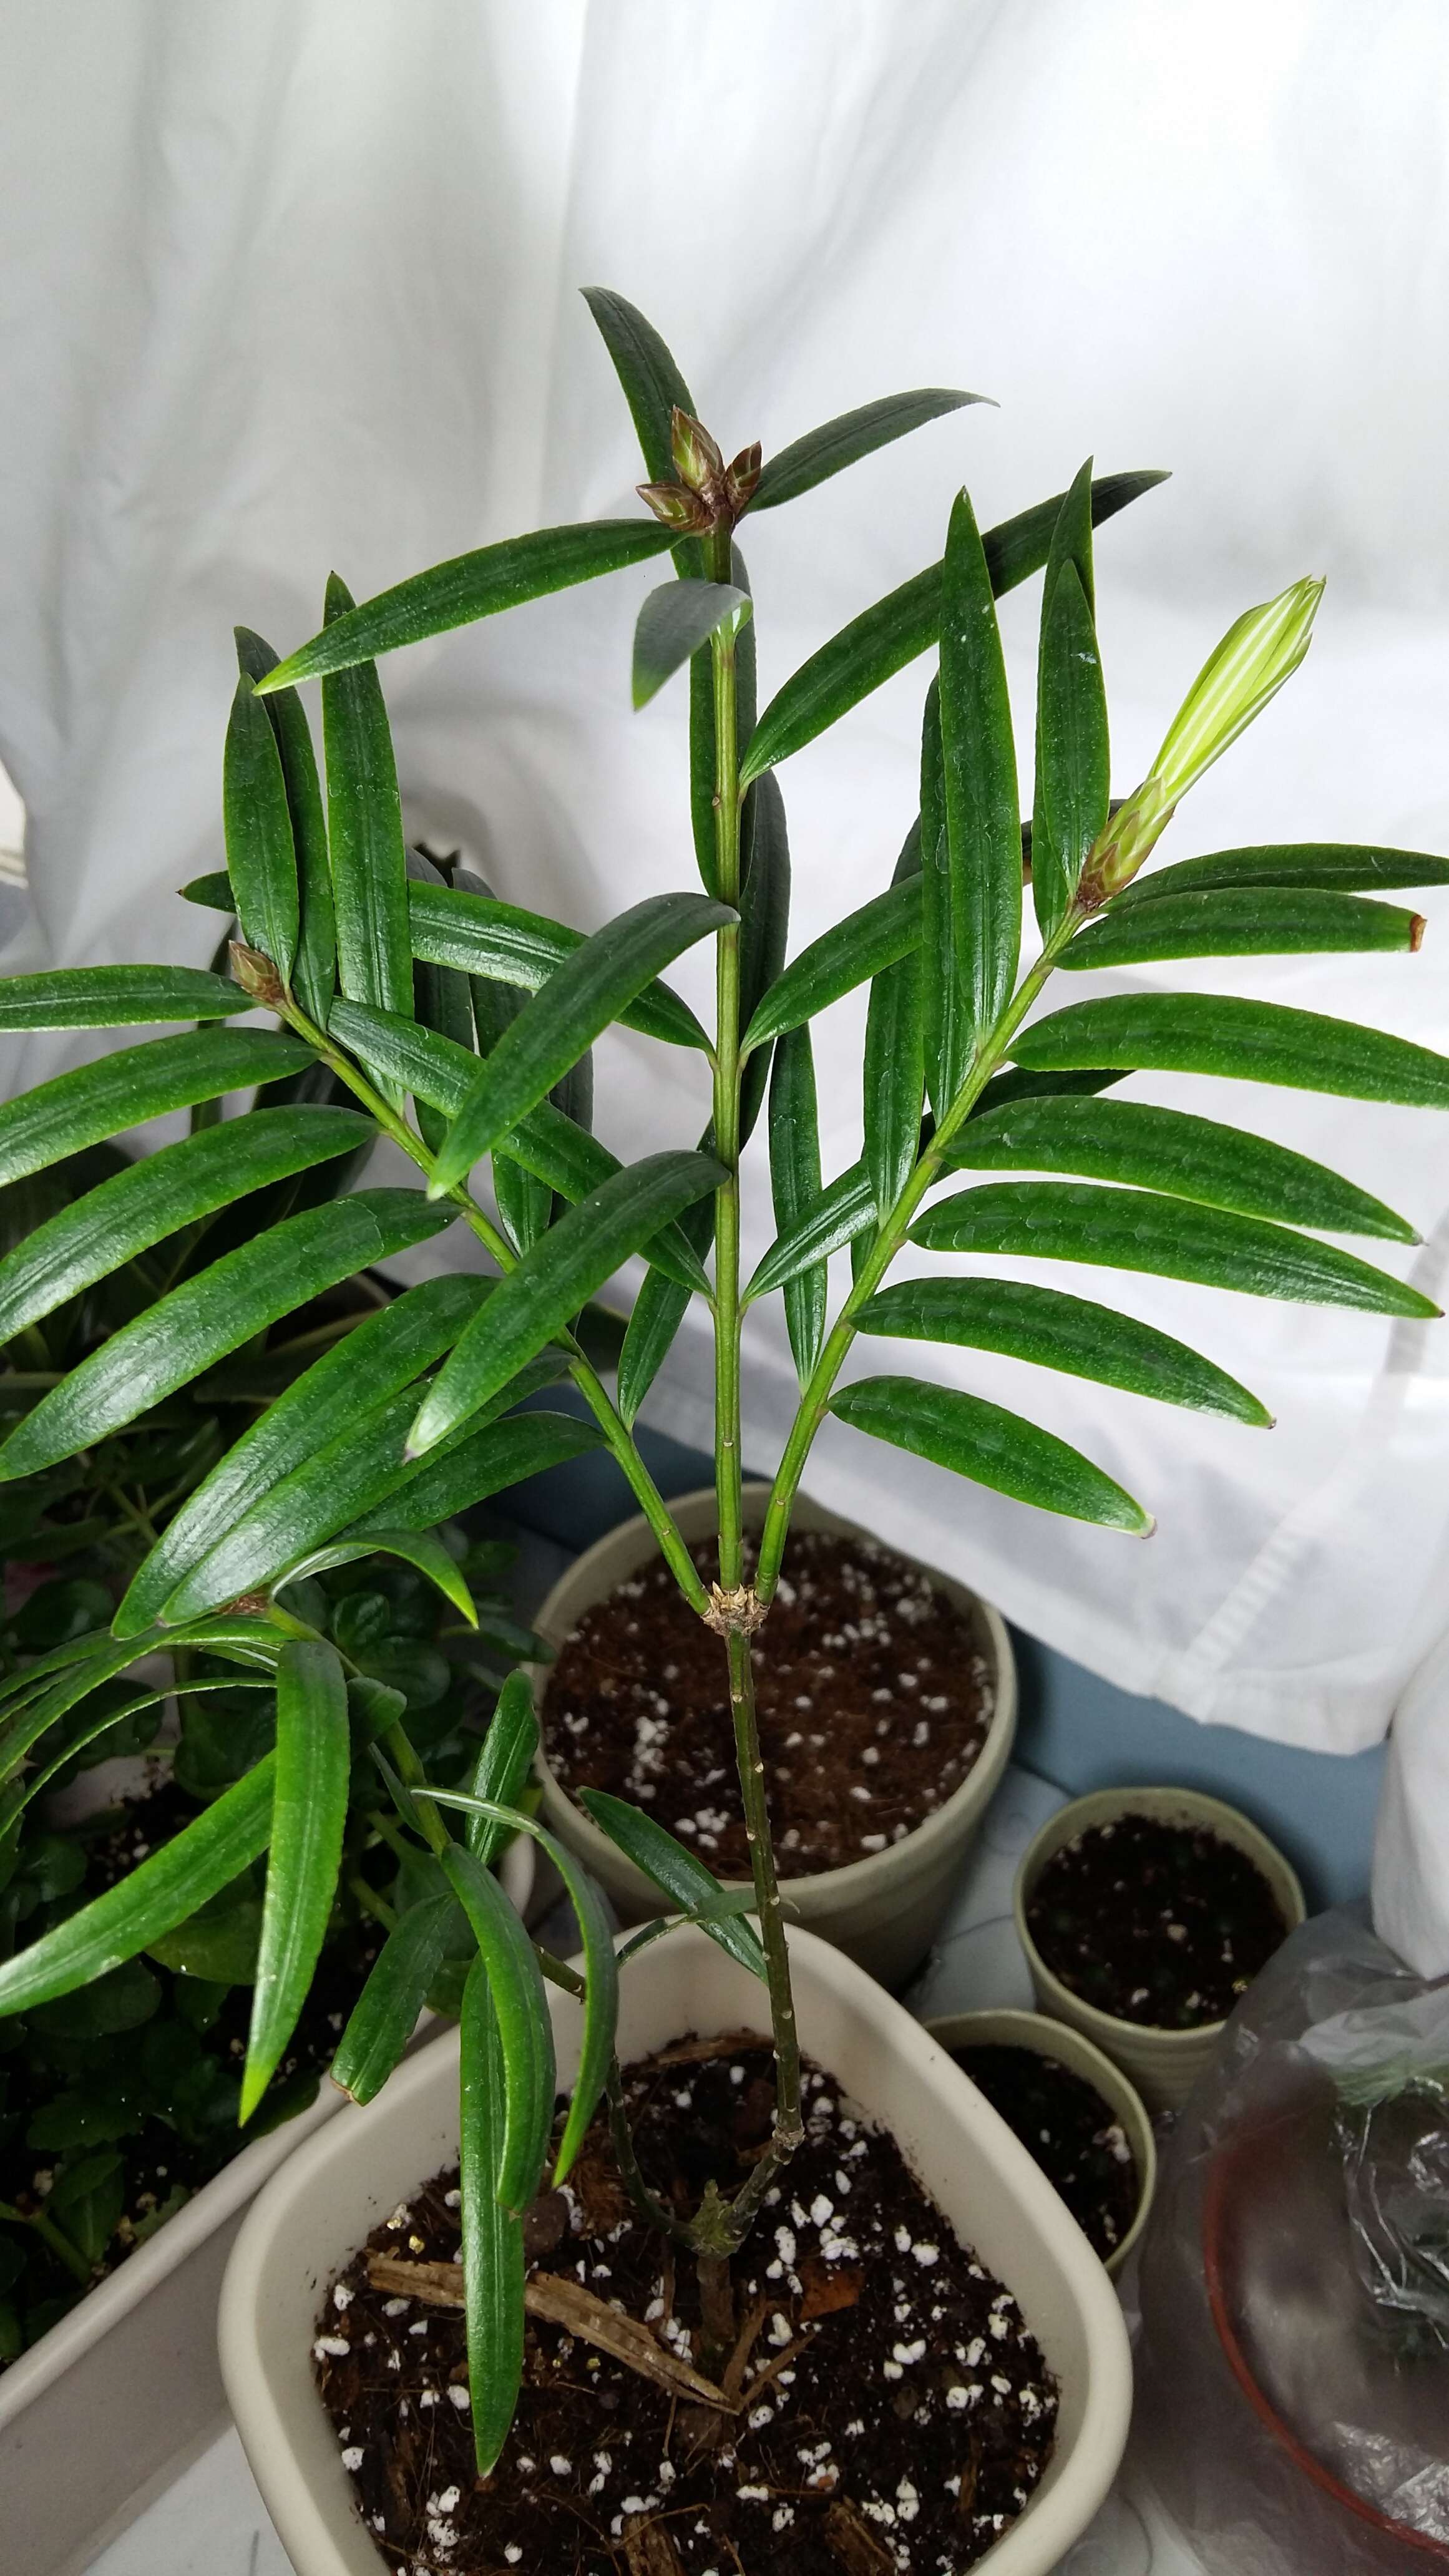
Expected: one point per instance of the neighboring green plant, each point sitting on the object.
(410, 990)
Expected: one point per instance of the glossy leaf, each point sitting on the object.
(497, 942)
(260, 859)
(582, 999)
(685, 1879)
(1333, 867)
(840, 1213)
(422, 1549)
(659, 1310)
(135, 1084)
(1072, 752)
(1172, 1238)
(1241, 1041)
(908, 622)
(468, 587)
(158, 1893)
(212, 891)
(653, 386)
(795, 1187)
(601, 2002)
(316, 959)
(1053, 1331)
(983, 814)
(990, 1446)
(674, 622)
(486, 1461)
(309, 1812)
(845, 440)
(1267, 921)
(689, 564)
(505, 1759)
(893, 1078)
(945, 1044)
(860, 946)
(1004, 1090)
(492, 2249)
(116, 997)
(386, 1351)
(364, 830)
(152, 1199)
(173, 1341)
(1163, 1149)
(385, 2013)
(764, 929)
(551, 1283)
(525, 2031)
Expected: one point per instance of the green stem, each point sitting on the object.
(412, 1775)
(370, 1902)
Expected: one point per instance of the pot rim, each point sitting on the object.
(853, 1879)
(1100, 1806)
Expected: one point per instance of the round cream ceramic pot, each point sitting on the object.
(1080, 2056)
(882, 1909)
(1163, 2064)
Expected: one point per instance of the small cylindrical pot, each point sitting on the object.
(882, 1910)
(1163, 2064)
(1080, 2056)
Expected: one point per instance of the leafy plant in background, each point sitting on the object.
(410, 990)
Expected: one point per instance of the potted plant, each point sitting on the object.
(959, 1075)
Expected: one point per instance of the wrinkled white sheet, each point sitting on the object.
(294, 285)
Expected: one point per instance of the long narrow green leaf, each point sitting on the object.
(385, 1352)
(442, 1002)
(1164, 1149)
(764, 929)
(198, 1323)
(493, 2260)
(601, 2002)
(42, 1697)
(158, 1894)
(309, 1812)
(860, 946)
(1242, 1041)
(1262, 922)
(845, 440)
(689, 564)
(685, 1878)
(990, 1446)
(21, 1791)
(881, 641)
(505, 1759)
(795, 1187)
(945, 1043)
(551, 1283)
(1331, 867)
(212, 891)
(1172, 1238)
(1072, 755)
(152, 1199)
(673, 624)
(116, 997)
(496, 942)
(138, 1083)
(316, 960)
(468, 587)
(525, 2031)
(1058, 1332)
(582, 999)
(840, 1213)
(422, 1549)
(1004, 1090)
(364, 827)
(383, 2018)
(659, 1310)
(983, 815)
(260, 859)
(893, 1080)
(486, 1461)
(653, 386)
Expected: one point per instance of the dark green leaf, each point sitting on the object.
(313, 972)
(212, 892)
(384, 2015)
(673, 623)
(485, 1462)
(422, 1549)
(823, 452)
(1242, 1041)
(689, 564)
(653, 386)
(684, 1877)
(1072, 754)
(1266, 921)
(138, 1083)
(260, 859)
(837, 1217)
(1053, 1331)
(551, 1283)
(1162, 1149)
(887, 927)
(505, 1759)
(525, 2031)
(364, 827)
(493, 2263)
(795, 1187)
(309, 1812)
(151, 1199)
(116, 997)
(945, 1044)
(198, 1323)
(983, 816)
(990, 1446)
(1005, 1089)
(1172, 1238)
(452, 926)
(581, 1000)
(1335, 867)
(894, 1073)
(764, 928)
(219, 1941)
(881, 641)
(469, 587)
(659, 1310)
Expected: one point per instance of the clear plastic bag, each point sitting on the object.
(1293, 2405)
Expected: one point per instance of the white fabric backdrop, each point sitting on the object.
(294, 285)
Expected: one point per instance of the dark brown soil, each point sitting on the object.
(895, 2414)
(1160, 1924)
(1076, 2137)
(873, 1701)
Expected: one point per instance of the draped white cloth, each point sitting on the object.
(293, 285)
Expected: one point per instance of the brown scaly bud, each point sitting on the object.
(741, 478)
(697, 460)
(678, 509)
(257, 976)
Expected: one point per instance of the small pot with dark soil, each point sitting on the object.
(887, 1708)
(1144, 1915)
(1073, 2110)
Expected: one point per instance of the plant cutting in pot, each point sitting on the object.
(958, 1076)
